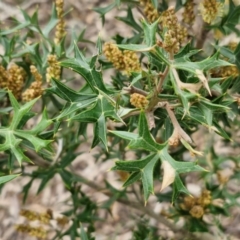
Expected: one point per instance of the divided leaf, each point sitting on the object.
(150, 32)
(75, 100)
(87, 69)
(14, 136)
(143, 169)
(186, 64)
(101, 109)
(143, 140)
(172, 169)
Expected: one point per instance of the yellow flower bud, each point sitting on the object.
(138, 100)
(197, 211)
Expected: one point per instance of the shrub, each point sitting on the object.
(168, 86)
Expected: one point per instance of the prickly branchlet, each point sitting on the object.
(35, 90)
(54, 70)
(138, 100)
(188, 14)
(126, 61)
(13, 79)
(60, 28)
(175, 34)
(197, 211)
(210, 9)
(149, 10)
(38, 232)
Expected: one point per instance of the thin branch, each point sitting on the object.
(154, 100)
(36, 159)
(176, 77)
(133, 113)
(135, 205)
(128, 203)
(133, 89)
(202, 36)
(103, 190)
(192, 87)
(140, 207)
(162, 78)
(172, 115)
(178, 132)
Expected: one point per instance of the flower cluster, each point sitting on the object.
(126, 61)
(138, 100)
(175, 34)
(3, 77)
(131, 61)
(35, 90)
(227, 71)
(34, 231)
(188, 14)
(13, 79)
(210, 9)
(60, 28)
(232, 46)
(34, 216)
(38, 231)
(54, 70)
(196, 205)
(62, 221)
(38, 218)
(149, 10)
